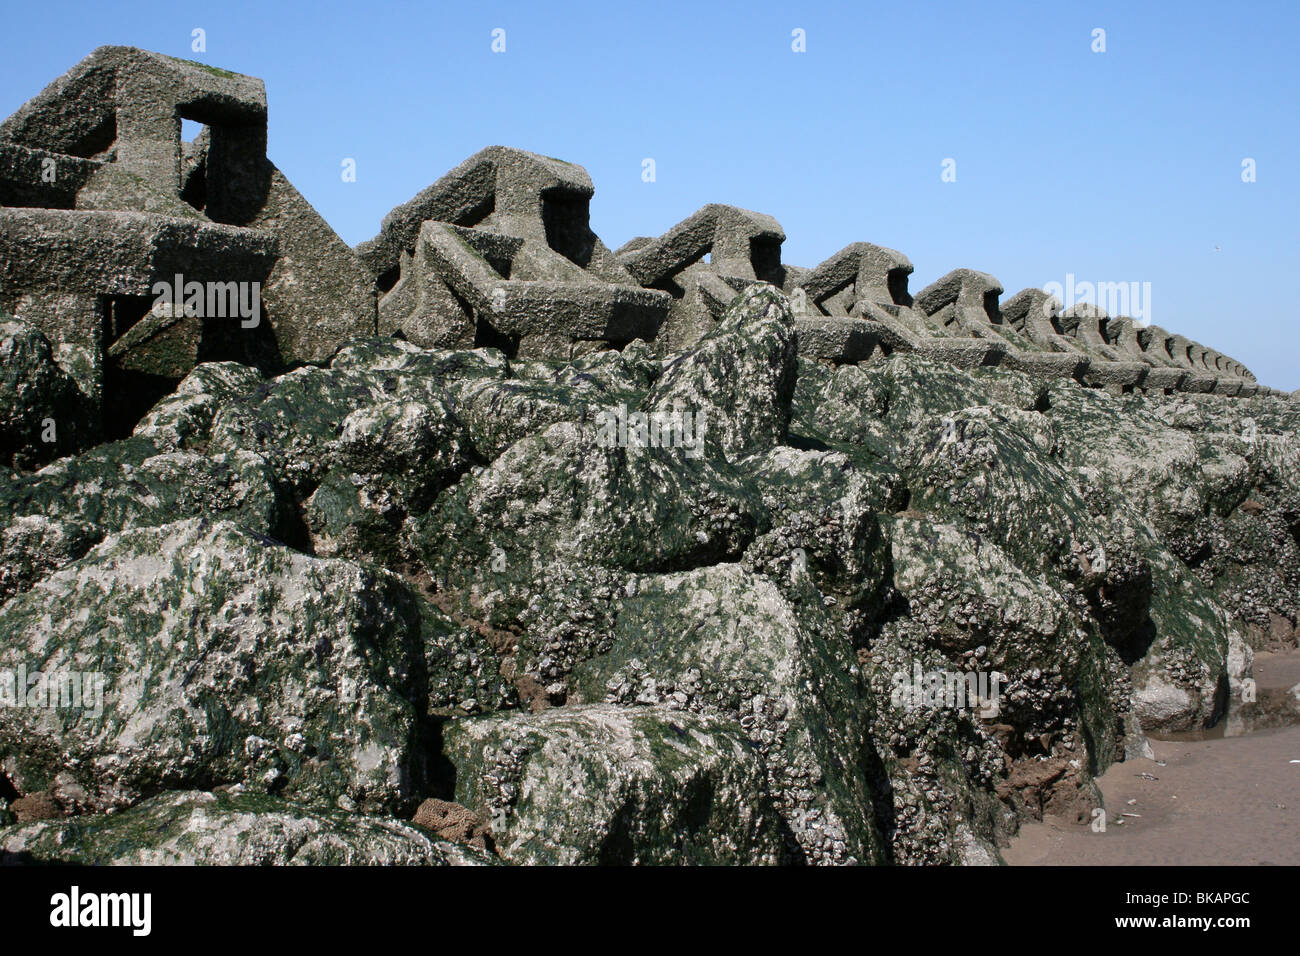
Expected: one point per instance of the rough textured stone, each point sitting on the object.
(135, 206)
(42, 412)
(226, 659)
(724, 641)
(196, 828)
(741, 247)
(739, 380)
(572, 555)
(55, 515)
(613, 785)
(500, 252)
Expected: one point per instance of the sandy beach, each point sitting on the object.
(1221, 800)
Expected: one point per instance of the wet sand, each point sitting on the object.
(1222, 800)
(1277, 670)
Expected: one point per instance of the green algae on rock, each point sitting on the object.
(197, 828)
(226, 658)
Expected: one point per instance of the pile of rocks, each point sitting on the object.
(410, 579)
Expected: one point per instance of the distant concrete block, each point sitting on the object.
(100, 200)
(115, 201)
(500, 252)
(1110, 367)
(838, 341)
(741, 247)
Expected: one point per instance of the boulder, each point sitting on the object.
(739, 380)
(220, 657)
(598, 784)
(42, 412)
(199, 828)
(723, 640)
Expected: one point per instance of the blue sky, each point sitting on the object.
(1122, 166)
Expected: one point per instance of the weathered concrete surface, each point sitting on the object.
(500, 252)
(116, 202)
(967, 300)
(869, 283)
(741, 247)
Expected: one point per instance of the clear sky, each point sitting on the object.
(1115, 166)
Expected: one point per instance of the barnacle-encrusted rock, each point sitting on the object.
(53, 516)
(824, 509)
(565, 493)
(614, 785)
(760, 591)
(739, 380)
(225, 658)
(644, 554)
(722, 640)
(197, 828)
(1034, 680)
(42, 412)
